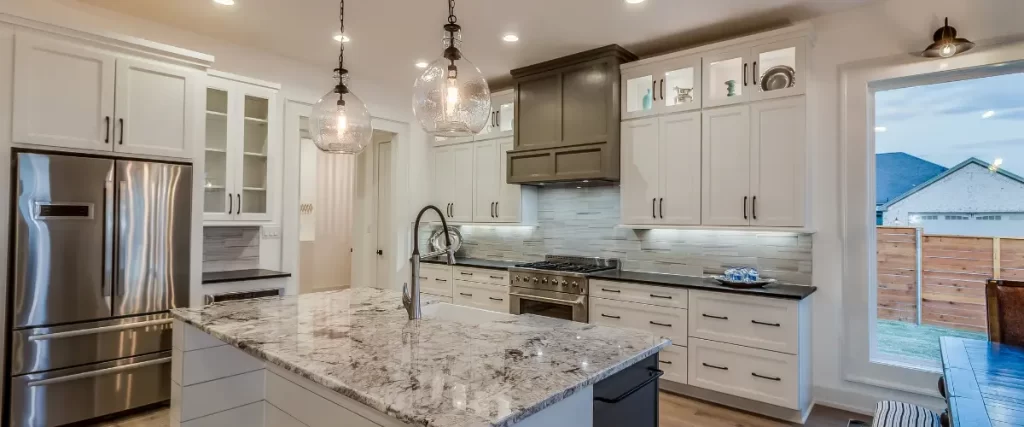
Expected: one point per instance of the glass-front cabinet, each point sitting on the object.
(241, 150)
(727, 78)
(500, 124)
(639, 96)
(779, 69)
(662, 87)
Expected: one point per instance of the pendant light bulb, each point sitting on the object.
(946, 43)
(340, 122)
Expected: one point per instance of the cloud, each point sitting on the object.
(975, 96)
(1009, 115)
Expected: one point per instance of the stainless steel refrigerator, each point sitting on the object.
(100, 253)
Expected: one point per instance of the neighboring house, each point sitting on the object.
(970, 199)
(898, 173)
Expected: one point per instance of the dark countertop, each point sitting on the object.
(475, 262)
(777, 290)
(241, 275)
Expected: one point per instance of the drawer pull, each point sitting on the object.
(496, 299)
(465, 273)
(611, 317)
(611, 290)
(497, 277)
(667, 325)
(777, 325)
(423, 277)
(764, 377)
(716, 317)
(665, 362)
(723, 368)
(465, 294)
(654, 375)
(441, 280)
(660, 296)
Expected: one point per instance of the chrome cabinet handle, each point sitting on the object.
(716, 317)
(661, 296)
(765, 377)
(610, 317)
(723, 368)
(667, 325)
(766, 323)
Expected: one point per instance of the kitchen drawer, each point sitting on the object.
(663, 321)
(635, 292)
(481, 275)
(436, 280)
(482, 296)
(760, 375)
(673, 361)
(758, 322)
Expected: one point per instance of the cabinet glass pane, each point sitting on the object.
(725, 79)
(776, 69)
(506, 113)
(254, 155)
(679, 87)
(639, 94)
(216, 172)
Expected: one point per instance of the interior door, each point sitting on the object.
(54, 79)
(462, 188)
(725, 152)
(444, 178)
(385, 250)
(510, 196)
(640, 171)
(777, 161)
(154, 107)
(726, 78)
(679, 157)
(486, 180)
(154, 218)
(63, 240)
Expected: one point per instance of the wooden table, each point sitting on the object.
(984, 382)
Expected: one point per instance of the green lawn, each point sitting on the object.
(916, 341)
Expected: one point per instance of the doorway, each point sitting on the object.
(382, 145)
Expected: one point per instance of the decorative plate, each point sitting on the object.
(777, 77)
(742, 284)
(437, 239)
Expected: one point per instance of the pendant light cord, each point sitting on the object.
(342, 72)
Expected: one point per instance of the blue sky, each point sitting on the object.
(947, 123)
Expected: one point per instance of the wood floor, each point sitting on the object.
(676, 411)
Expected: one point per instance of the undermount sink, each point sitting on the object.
(457, 313)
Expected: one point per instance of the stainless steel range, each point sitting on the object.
(556, 287)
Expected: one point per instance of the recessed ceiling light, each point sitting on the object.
(422, 64)
(225, 2)
(988, 114)
(338, 38)
(880, 129)
(634, 1)
(510, 38)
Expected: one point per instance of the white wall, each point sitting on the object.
(880, 29)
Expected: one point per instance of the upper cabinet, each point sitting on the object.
(499, 124)
(70, 95)
(242, 150)
(755, 72)
(663, 87)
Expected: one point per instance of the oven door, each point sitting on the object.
(559, 305)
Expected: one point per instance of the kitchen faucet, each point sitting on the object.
(411, 298)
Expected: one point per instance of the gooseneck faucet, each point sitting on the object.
(411, 297)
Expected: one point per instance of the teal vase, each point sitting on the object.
(647, 100)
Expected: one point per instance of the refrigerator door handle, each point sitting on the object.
(108, 236)
(122, 191)
(97, 373)
(100, 330)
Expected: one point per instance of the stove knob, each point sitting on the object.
(535, 280)
(563, 283)
(544, 281)
(574, 284)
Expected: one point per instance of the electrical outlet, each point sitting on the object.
(271, 232)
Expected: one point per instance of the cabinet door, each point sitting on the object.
(779, 69)
(255, 145)
(586, 103)
(462, 188)
(63, 94)
(503, 111)
(638, 92)
(485, 177)
(725, 152)
(640, 174)
(155, 108)
(219, 174)
(679, 87)
(777, 162)
(680, 169)
(726, 78)
(509, 207)
(539, 104)
(444, 178)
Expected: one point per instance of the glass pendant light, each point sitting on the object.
(340, 121)
(947, 43)
(451, 97)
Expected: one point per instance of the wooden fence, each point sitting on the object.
(950, 270)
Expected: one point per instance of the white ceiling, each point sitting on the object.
(389, 36)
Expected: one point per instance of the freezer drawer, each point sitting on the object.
(44, 349)
(69, 395)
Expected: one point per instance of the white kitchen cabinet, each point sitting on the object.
(745, 68)
(453, 181)
(500, 123)
(769, 58)
(482, 296)
(486, 193)
(726, 166)
(242, 149)
(470, 184)
(661, 164)
(444, 179)
(761, 375)
(667, 86)
(69, 95)
(516, 203)
(778, 169)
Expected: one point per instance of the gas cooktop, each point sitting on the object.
(564, 267)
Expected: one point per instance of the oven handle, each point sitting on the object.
(655, 374)
(548, 299)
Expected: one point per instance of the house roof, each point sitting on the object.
(898, 173)
(950, 171)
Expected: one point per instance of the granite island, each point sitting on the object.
(352, 358)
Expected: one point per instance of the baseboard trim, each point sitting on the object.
(739, 403)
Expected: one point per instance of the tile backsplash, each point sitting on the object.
(583, 222)
(230, 248)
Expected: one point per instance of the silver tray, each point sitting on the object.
(742, 284)
(778, 77)
(437, 239)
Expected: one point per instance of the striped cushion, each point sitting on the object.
(890, 413)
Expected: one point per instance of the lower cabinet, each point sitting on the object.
(481, 288)
(672, 360)
(436, 279)
(482, 296)
(761, 375)
(669, 322)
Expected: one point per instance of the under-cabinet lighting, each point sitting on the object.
(634, 1)
(225, 2)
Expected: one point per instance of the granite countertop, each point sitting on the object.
(476, 262)
(241, 275)
(493, 371)
(777, 290)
